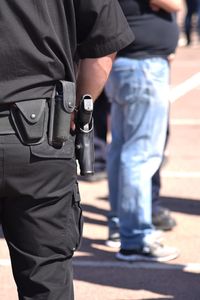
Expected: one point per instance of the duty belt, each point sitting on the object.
(5, 120)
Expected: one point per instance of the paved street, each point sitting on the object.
(98, 276)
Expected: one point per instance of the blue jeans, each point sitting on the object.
(138, 90)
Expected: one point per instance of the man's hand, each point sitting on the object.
(72, 122)
(154, 7)
(168, 5)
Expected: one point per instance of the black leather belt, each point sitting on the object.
(5, 120)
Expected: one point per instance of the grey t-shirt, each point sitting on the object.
(156, 32)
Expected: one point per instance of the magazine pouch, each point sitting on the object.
(62, 105)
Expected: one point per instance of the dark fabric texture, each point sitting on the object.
(42, 40)
(41, 218)
(156, 33)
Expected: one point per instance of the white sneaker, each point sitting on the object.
(152, 252)
(113, 243)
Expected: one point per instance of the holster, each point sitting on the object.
(30, 120)
(85, 149)
(62, 105)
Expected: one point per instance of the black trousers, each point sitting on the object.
(192, 8)
(41, 216)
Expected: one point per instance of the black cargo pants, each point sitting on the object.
(41, 216)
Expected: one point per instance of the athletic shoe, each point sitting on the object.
(155, 252)
(162, 219)
(113, 240)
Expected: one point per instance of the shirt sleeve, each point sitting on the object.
(101, 28)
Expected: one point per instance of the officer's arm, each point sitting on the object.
(168, 5)
(93, 74)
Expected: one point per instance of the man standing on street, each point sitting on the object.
(42, 43)
(138, 89)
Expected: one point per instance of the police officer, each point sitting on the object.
(43, 43)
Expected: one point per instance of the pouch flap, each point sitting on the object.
(32, 109)
(69, 95)
(44, 150)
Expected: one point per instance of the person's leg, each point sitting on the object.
(190, 10)
(156, 185)
(113, 159)
(145, 106)
(41, 219)
(161, 217)
(143, 89)
(198, 18)
(140, 89)
(100, 115)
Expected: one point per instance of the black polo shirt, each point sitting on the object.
(40, 41)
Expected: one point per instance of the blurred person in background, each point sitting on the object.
(192, 8)
(138, 90)
(161, 216)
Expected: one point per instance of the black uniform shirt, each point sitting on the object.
(39, 38)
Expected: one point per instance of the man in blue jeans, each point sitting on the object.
(138, 89)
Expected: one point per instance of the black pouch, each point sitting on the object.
(30, 120)
(62, 105)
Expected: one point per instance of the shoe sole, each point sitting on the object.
(113, 244)
(164, 228)
(137, 257)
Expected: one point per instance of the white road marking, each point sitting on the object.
(185, 87)
(183, 122)
(177, 174)
(190, 267)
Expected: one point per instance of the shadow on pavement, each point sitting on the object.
(93, 209)
(187, 206)
(170, 281)
(182, 205)
(176, 284)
